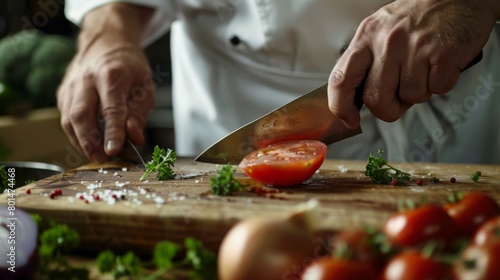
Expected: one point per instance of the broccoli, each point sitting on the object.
(34, 63)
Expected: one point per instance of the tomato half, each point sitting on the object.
(285, 163)
(488, 233)
(472, 210)
(414, 266)
(419, 225)
(339, 269)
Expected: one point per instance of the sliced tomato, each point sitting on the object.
(339, 269)
(409, 265)
(472, 210)
(479, 262)
(488, 233)
(422, 224)
(285, 163)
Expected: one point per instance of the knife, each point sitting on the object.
(307, 117)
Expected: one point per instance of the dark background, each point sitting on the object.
(48, 16)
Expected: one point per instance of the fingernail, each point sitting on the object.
(110, 145)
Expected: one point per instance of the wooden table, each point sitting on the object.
(137, 221)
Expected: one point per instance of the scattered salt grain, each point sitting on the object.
(343, 169)
(100, 170)
(124, 169)
(105, 172)
(71, 200)
(159, 200)
(115, 174)
(118, 184)
(196, 181)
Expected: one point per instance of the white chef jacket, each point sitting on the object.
(236, 60)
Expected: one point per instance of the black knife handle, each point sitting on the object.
(358, 97)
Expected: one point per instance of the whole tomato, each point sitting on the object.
(361, 245)
(419, 225)
(410, 265)
(479, 263)
(488, 233)
(471, 210)
(338, 269)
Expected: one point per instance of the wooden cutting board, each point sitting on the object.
(138, 220)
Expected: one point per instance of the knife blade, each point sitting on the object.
(307, 117)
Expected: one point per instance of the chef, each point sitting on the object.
(235, 60)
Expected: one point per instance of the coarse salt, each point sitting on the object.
(159, 200)
(124, 169)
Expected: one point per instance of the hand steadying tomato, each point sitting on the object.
(416, 226)
(471, 210)
(338, 269)
(285, 163)
(488, 232)
(411, 265)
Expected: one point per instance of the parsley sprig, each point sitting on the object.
(165, 257)
(162, 162)
(224, 183)
(381, 172)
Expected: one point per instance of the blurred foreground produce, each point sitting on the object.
(32, 65)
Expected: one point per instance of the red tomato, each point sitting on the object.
(285, 163)
(338, 269)
(471, 211)
(413, 266)
(479, 262)
(488, 233)
(360, 245)
(419, 225)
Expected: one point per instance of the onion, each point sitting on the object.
(269, 247)
(18, 238)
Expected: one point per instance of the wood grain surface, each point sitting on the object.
(348, 199)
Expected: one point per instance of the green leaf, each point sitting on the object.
(106, 261)
(162, 162)
(381, 172)
(164, 253)
(203, 261)
(224, 183)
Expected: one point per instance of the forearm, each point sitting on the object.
(114, 23)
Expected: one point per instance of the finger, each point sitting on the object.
(140, 105)
(381, 89)
(112, 88)
(64, 100)
(348, 73)
(442, 78)
(84, 120)
(413, 82)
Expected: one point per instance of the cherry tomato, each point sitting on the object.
(488, 233)
(338, 269)
(479, 262)
(409, 265)
(285, 163)
(419, 225)
(471, 211)
(360, 246)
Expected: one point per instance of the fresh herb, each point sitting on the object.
(381, 172)
(434, 180)
(128, 265)
(162, 162)
(224, 183)
(475, 176)
(201, 260)
(4, 179)
(29, 182)
(54, 242)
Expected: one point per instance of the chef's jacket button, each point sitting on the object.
(235, 40)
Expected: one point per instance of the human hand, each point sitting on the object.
(110, 78)
(408, 51)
